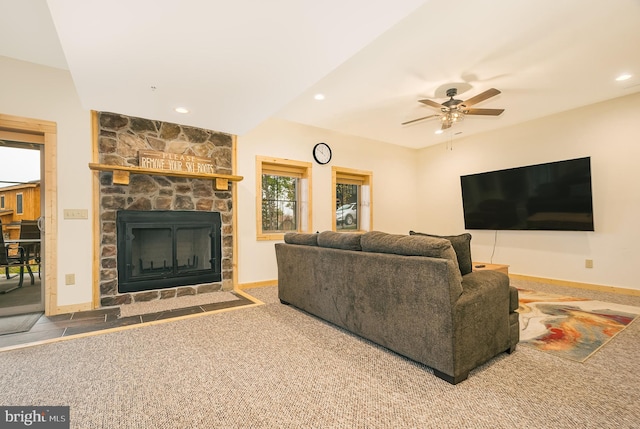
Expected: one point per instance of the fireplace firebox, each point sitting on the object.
(163, 249)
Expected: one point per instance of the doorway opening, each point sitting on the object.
(21, 288)
(29, 214)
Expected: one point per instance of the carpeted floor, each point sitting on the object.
(274, 366)
(18, 323)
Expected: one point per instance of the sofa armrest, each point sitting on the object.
(477, 281)
(481, 318)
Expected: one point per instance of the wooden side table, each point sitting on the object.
(481, 266)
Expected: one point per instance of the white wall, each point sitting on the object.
(46, 93)
(608, 132)
(394, 186)
(417, 190)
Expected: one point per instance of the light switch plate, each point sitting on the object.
(76, 213)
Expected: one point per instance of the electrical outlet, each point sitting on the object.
(69, 279)
(76, 214)
(588, 263)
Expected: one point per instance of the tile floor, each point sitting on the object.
(65, 325)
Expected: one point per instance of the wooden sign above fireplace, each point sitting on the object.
(169, 164)
(157, 160)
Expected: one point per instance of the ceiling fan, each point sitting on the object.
(452, 110)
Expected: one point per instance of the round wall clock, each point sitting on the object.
(322, 153)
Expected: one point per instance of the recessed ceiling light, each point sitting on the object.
(319, 97)
(440, 131)
(181, 110)
(623, 77)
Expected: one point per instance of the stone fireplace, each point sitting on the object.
(164, 249)
(181, 255)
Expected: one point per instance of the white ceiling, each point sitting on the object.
(236, 63)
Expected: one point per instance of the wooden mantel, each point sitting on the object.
(121, 174)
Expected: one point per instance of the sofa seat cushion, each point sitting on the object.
(461, 244)
(407, 245)
(303, 238)
(339, 240)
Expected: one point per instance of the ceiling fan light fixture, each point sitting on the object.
(451, 117)
(453, 111)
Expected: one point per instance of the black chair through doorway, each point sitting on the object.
(29, 231)
(8, 260)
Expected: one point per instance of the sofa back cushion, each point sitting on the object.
(339, 240)
(407, 245)
(306, 239)
(462, 246)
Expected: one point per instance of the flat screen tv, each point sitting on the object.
(553, 196)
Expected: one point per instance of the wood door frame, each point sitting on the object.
(43, 133)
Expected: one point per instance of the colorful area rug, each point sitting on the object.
(572, 328)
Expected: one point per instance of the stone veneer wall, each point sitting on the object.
(120, 138)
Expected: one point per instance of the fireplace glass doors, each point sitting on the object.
(162, 249)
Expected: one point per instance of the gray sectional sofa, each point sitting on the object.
(413, 294)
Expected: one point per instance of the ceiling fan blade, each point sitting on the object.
(419, 119)
(431, 103)
(489, 112)
(481, 97)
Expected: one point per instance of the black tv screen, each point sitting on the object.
(553, 196)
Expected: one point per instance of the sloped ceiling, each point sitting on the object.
(235, 64)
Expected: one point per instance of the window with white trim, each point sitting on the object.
(283, 197)
(352, 191)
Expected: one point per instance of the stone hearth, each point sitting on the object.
(120, 138)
